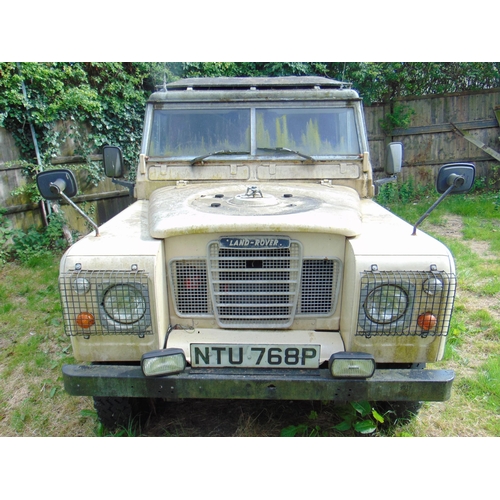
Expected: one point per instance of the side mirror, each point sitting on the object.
(394, 157)
(112, 159)
(459, 175)
(54, 182)
(454, 178)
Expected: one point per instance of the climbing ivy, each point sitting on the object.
(108, 97)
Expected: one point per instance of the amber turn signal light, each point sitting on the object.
(85, 320)
(427, 321)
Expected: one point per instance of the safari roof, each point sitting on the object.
(254, 88)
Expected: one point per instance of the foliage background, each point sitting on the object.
(110, 96)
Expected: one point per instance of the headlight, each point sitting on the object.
(433, 286)
(124, 304)
(81, 285)
(163, 362)
(386, 304)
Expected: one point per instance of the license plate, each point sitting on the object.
(255, 356)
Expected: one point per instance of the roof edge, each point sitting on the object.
(256, 83)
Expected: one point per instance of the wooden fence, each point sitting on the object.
(435, 136)
(102, 201)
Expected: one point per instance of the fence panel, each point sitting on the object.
(101, 202)
(430, 140)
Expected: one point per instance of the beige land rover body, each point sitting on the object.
(254, 263)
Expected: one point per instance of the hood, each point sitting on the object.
(210, 208)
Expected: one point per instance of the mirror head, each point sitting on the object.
(52, 183)
(112, 158)
(460, 175)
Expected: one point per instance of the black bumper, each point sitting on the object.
(221, 383)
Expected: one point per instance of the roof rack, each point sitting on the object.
(256, 83)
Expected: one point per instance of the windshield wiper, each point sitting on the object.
(286, 150)
(215, 153)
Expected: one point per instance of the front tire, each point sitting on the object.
(114, 413)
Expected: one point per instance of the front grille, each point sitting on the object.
(391, 302)
(254, 288)
(106, 302)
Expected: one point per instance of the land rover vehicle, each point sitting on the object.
(255, 263)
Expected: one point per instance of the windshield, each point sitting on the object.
(260, 131)
(198, 132)
(320, 132)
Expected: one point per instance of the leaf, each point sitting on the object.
(53, 392)
(290, 431)
(345, 425)
(313, 415)
(365, 427)
(377, 416)
(364, 408)
(88, 413)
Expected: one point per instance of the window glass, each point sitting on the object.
(311, 131)
(197, 132)
(321, 132)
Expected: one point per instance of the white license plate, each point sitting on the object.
(255, 356)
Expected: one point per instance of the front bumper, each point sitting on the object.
(229, 383)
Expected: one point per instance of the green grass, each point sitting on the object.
(33, 348)
(470, 227)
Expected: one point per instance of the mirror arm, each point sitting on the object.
(381, 182)
(58, 187)
(455, 181)
(128, 184)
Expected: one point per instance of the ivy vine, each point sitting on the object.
(400, 117)
(108, 97)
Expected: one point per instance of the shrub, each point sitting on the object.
(36, 243)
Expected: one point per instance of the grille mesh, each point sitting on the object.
(319, 289)
(108, 302)
(254, 288)
(391, 302)
(190, 287)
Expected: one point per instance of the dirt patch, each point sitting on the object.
(452, 228)
(490, 304)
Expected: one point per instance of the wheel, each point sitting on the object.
(401, 412)
(119, 412)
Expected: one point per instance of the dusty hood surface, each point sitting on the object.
(261, 207)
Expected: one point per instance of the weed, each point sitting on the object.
(399, 118)
(36, 243)
(7, 233)
(361, 417)
(304, 430)
(407, 199)
(484, 390)
(357, 417)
